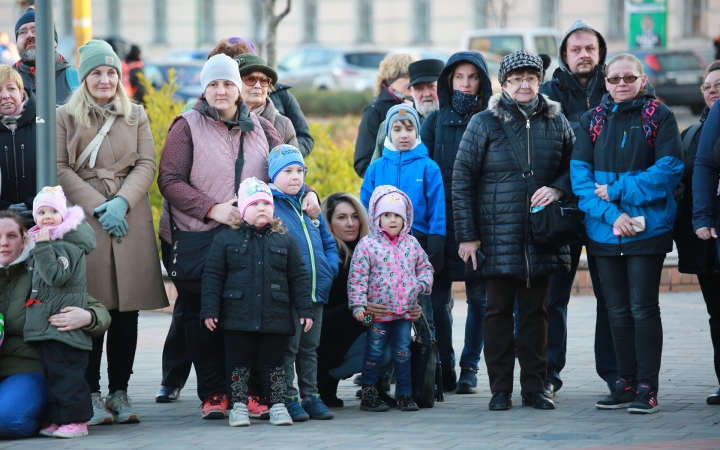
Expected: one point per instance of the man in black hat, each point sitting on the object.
(66, 79)
(423, 84)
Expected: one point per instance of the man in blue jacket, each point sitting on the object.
(578, 84)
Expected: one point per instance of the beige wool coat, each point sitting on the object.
(122, 273)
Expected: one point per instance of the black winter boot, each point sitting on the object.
(406, 403)
(370, 399)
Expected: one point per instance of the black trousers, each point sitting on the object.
(710, 286)
(264, 353)
(64, 369)
(531, 335)
(631, 285)
(122, 339)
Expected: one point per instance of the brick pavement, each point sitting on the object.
(462, 421)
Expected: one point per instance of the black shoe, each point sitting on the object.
(383, 395)
(537, 400)
(449, 378)
(646, 401)
(358, 393)
(550, 389)
(500, 401)
(714, 398)
(467, 384)
(406, 403)
(167, 394)
(621, 396)
(370, 399)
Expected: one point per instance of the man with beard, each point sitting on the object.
(423, 84)
(66, 79)
(578, 84)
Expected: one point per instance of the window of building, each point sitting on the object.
(160, 21)
(113, 18)
(616, 20)
(479, 13)
(548, 13)
(310, 21)
(422, 23)
(694, 14)
(365, 21)
(257, 25)
(207, 22)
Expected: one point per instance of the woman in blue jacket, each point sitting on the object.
(626, 163)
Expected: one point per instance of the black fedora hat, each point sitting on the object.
(425, 71)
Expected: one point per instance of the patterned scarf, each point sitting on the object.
(463, 103)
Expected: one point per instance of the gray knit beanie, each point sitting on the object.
(220, 67)
(520, 60)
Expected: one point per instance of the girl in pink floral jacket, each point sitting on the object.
(388, 268)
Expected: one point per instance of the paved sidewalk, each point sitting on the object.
(462, 421)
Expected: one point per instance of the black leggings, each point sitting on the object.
(710, 285)
(122, 339)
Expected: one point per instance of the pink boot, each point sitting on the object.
(49, 430)
(72, 430)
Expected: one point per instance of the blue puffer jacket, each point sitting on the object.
(418, 176)
(442, 132)
(640, 178)
(317, 246)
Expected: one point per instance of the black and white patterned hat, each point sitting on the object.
(518, 60)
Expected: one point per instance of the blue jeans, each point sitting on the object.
(474, 336)
(24, 400)
(395, 334)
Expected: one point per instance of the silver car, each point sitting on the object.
(332, 68)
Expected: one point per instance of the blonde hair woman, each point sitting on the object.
(392, 87)
(106, 164)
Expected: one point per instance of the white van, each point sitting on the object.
(494, 43)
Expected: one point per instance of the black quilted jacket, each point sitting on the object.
(490, 199)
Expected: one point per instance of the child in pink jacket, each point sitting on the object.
(388, 268)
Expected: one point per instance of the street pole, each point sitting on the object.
(82, 24)
(45, 81)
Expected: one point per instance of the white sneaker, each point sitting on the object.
(121, 408)
(279, 415)
(239, 415)
(101, 416)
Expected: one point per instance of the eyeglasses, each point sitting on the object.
(627, 78)
(516, 81)
(24, 31)
(706, 87)
(251, 80)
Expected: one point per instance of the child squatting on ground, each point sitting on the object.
(286, 169)
(388, 268)
(62, 239)
(254, 277)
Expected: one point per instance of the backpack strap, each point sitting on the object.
(71, 76)
(692, 131)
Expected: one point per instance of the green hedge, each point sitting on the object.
(323, 103)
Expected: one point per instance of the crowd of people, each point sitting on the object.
(274, 281)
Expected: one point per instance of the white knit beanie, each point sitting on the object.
(220, 67)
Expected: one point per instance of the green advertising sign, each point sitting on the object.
(647, 23)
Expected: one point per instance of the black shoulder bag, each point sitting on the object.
(425, 368)
(557, 224)
(190, 249)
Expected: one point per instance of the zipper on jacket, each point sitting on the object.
(398, 169)
(22, 154)
(527, 202)
(17, 184)
(313, 274)
(622, 144)
(7, 162)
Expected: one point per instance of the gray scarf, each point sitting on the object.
(11, 121)
(527, 108)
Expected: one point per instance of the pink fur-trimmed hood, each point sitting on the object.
(75, 221)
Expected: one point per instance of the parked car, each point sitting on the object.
(188, 55)
(676, 76)
(494, 43)
(187, 73)
(333, 68)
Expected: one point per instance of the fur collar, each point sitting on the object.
(75, 216)
(500, 109)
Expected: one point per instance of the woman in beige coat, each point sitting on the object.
(110, 180)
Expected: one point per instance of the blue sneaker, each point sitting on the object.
(297, 413)
(316, 408)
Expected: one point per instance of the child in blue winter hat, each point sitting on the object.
(286, 168)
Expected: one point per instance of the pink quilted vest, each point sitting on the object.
(215, 149)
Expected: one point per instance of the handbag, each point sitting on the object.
(189, 249)
(425, 368)
(559, 223)
(93, 147)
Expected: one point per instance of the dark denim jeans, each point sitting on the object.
(631, 286)
(395, 334)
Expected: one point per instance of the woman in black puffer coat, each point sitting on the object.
(491, 205)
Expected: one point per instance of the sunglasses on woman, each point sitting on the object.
(627, 79)
(250, 80)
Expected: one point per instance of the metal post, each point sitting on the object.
(46, 136)
(82, 24)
